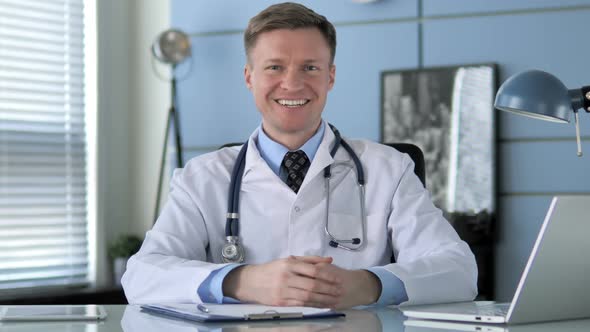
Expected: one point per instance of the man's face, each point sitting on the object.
(289, 73)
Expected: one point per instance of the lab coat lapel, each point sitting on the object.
(256, 170)
(253, 158)
(322, 157)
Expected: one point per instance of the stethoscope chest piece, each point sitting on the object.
(232, 251)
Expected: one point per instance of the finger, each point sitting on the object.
(315, 285)
(316, 272)
(299, 303)
(307, 298)
(314, 259)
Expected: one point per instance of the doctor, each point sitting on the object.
(286, 207)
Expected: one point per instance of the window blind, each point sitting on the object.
(43, 210)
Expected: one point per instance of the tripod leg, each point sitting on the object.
(178, 143)
(176, 121)
(162, 164)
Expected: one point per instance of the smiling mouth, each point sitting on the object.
(292, 103)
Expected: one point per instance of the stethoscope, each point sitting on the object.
(233, 251)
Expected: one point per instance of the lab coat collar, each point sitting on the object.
(254, 160)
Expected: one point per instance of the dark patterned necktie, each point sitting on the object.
(297, 165)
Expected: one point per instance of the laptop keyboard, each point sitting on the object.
(492, 310)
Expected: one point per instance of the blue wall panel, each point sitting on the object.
(449, 7)
(514, 126)
(206, 15)
(543, 166)
(363, 52)
(516, 44)
(214, 104)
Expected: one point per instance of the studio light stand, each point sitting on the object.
(170, 47)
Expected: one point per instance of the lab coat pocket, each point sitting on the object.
(375, 248)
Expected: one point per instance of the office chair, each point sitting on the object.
(412, 150)
(417, 156)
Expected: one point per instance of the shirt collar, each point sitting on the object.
(273, 152)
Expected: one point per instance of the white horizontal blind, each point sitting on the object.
(43, 213)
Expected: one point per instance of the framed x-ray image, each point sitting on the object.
(448, 112)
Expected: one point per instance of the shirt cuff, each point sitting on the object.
(211, 289)
(393, 290)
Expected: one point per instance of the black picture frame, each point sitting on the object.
(448, 112)
(425, 107)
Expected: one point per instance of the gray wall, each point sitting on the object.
(130, 112)
(535, 159)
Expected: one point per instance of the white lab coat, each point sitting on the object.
(184, 246)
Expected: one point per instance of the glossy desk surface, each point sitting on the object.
(130, 319)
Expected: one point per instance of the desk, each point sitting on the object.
(130, 319)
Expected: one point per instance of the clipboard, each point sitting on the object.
(211, 313)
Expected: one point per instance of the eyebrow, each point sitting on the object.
(280, 60)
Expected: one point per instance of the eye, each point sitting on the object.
(311, 68)
(273, 67)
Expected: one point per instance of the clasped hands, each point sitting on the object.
(310, 281)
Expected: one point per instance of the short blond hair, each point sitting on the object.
(288, 15)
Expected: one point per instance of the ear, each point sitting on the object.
(248, 76)
(332, 76)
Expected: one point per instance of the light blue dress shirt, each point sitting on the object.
(393, 290)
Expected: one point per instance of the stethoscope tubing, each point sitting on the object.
(338, 243)
(233, 216)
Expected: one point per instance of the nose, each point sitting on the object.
(293, 80)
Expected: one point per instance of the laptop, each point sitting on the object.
(555, 284)
(416, 325)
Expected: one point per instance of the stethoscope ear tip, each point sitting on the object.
(333, 244)
(356, 240)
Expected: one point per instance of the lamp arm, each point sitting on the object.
(586, 94)
(580, 98)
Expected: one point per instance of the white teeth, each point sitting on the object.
(290, 102)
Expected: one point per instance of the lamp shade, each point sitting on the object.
(171, 46)
(536, 94)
